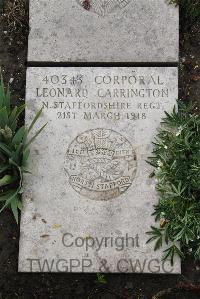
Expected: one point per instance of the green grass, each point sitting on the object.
(176, 159)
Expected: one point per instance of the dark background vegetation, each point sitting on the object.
(13, 50)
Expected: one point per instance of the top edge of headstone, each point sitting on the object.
(103, 31)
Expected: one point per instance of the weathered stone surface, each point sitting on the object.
(103, 31)
(90, 182)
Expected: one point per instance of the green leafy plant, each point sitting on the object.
(101, 278)
(189, 12)
(176, 159)
(14, 152)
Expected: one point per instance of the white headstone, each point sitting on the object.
(89, 199)
(103, 31)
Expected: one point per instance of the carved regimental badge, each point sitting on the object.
(103, 7)
(101, 164)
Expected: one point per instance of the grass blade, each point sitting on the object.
(35, 119)
(35, 136)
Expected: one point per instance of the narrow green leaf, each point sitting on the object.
(26, 154)
(158, 244)
(1, 96)
(14, 116)
(14, 207)
(19, 169)
(19, 136)
(179, 252)
(3, 117)
(35, 136)
(25, 170)
(5, 149)
(19, 205)
(35, 119)
(6, 195)
(25, 137)
(9, 199)
(6, 180)
(151, 239)
(2, 91)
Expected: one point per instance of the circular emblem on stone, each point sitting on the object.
(101, 164)
(103, 7)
